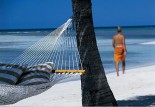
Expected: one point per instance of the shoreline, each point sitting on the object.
(130, 68)
(134, 88)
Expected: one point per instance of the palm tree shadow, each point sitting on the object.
(138, 101)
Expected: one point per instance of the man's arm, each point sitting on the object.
(125, 50)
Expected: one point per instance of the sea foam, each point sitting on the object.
(148, 43)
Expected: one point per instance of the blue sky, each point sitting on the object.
(27, 14)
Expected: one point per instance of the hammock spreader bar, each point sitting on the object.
(68, 71)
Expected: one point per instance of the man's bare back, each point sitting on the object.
(118, 40)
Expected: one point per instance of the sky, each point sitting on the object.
(31, 14)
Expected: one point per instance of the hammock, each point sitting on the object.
(58, 47)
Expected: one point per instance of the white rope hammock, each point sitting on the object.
(59, 47)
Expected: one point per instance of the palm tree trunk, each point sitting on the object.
(94, 85)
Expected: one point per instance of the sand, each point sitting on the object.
(135, 87)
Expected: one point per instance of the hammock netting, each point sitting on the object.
(59, 47)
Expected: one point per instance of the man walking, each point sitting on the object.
(119, 46)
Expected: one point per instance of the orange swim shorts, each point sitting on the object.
(119, 54)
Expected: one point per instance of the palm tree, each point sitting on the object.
(94, 85)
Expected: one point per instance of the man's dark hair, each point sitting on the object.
(119, 29)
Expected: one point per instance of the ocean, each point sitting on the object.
(140, 43)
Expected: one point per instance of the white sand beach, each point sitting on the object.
(136, 87)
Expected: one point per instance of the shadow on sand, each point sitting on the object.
(138, 101)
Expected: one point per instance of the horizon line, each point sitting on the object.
(98, 27)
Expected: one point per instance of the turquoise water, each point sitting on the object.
(140, 45)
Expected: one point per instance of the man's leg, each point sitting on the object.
(117, 68)
(123, 66)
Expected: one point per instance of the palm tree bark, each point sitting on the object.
(94, 85)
